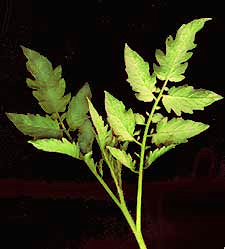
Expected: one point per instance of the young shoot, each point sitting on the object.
(160, 133)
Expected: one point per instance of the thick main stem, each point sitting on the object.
(122, 205)
(137, 234)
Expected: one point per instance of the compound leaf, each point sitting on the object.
(36, 125)
(78, 108)
(139, 76)
(176, 131)
(173, 64)
(48, 86)
(56, 145)
(186, 99)
(121, 121)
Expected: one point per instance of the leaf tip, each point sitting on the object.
(127, 49)
(9, 115)
(25, 50)
(106, 93)
(22, 47)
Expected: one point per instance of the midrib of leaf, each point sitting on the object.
(143, 145)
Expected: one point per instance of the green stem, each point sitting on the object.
(130, 221)
(122, 205)
(137, 142)
(108, 190)
(64, 128)
(140, 177)
(112, 172)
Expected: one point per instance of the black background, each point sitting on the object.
(87, 38)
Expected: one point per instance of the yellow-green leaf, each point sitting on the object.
(35, 125)
(176, 131)
(186, 99)
(152, 156)
(173, 64)
(139, 76)
(48, 86)
(139, 119)
(99, 125)
(157, 117)
(122, 157)
(121, 121)
(56, 145)
(78, 108)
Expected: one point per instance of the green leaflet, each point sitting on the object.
(139, 119)
(157, 117)
(86, 137)
(152, 156)
(99, 125)
(176, 131)
(78, 108)
(56, 145)
(173, 64)
(139, 76)
(121, 121)
(36, 125)
(123, 157)
(48, 86)
(186, 99)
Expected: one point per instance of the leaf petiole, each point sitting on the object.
(63, 127)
